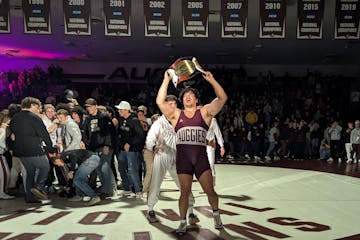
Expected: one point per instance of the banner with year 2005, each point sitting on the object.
(347, 19)
(234, 18)
(310, 19)
(36, 16)
(117, 17)
(77, 17)
(272, 18)
(157, 18)
(4, 16)
(195, 18)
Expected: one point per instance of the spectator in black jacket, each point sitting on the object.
(131, 144)
(97, 137)
(31, 143)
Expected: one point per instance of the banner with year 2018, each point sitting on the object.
(117, 17)
(195, 15)
(272, 18)
(37, 16)
(157, 18)
(347, 19)
(4, 16)
(234, 18)
(77, 17)
(310, 19)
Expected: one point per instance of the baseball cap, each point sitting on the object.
(123, 105)
(90, 102)
(142, 108)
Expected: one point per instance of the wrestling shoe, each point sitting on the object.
(217, 220)
(193, 219)
(182, 228)
(152, 217)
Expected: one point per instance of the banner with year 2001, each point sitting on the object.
(347, 19)
(77, 17)
(272, 18)
(195, 15)
(4, 16)
(157, 18)
(310, 19)
(117, 17)
(234, 18)
(37, 16)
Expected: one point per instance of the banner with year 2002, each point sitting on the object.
(195, 15)
(4, 16)
(157, 18)
(347, 19)
(234, 18)
(272, 18)
(117, 17)
(310, 19)
(77, 17)
(37, 16)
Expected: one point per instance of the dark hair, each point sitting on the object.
(28, 101)
(79, 110)
(170, 98)
(62, 111)
(4, 114)
(189, 89)
(14, 108)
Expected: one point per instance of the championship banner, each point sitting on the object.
(117, 17)
(195, 18)
(234, 16)
(310, 19)
(77, 17)
(272, 18)
(4, 16)
(157, 18)
(37, 16)
(347, 19)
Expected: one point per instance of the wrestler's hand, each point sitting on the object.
(167, 76)
(208, 76)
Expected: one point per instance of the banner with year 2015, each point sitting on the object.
(195, 18)
(234, 18)
(347, 19)
(157, 18)
(310, 19)
(117, 17)
(272, 18)
(37, 16)
(77, 17)
(4, 16)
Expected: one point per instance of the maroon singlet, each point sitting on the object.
(191, 142)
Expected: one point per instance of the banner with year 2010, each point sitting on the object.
(36, 16)
(310, 19)
(347, 19)
(234, 18)
(4, 16)
(117, 17)
(157, 18)
(195, 14)
(77, 17)
(272, 18)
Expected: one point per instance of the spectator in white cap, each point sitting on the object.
(130, 145)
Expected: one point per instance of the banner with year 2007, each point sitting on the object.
(347, 19)
(157, 18)
(4, 16)
(37, 16)
(310, 19)
(234, 16)
(272, 18)
(195, 15)
(117, 17)
(77, 17)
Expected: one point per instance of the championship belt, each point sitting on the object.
(184, 69)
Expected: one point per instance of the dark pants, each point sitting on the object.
(335, 149)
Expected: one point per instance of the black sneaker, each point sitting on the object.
(39, 193)
(152, 217)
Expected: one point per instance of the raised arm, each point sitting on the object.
(161, 96)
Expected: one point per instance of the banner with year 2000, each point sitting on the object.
(234, 18)
(37, 16)
(157, 18)
(272, 18)
(77, 17)
(195, 15)
(4, 16)
(347, 19)
(117, 17)
(310, 19)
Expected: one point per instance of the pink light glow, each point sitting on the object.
(30, 53)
